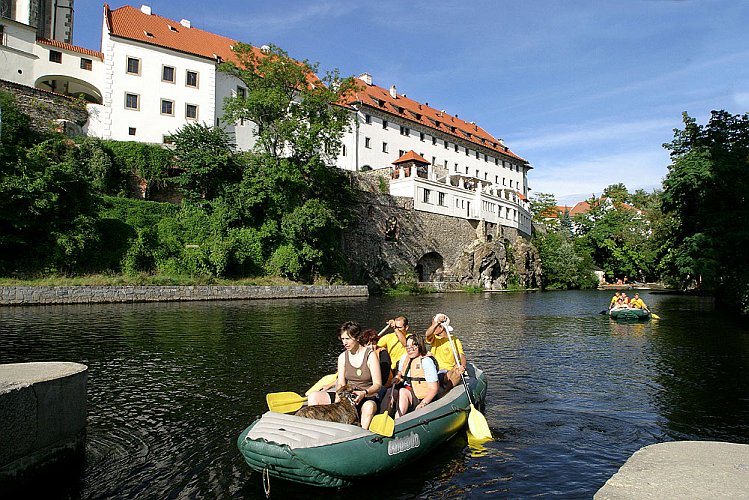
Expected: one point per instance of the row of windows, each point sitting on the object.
(168, 73)
(405, 131)
(132, 102)
(461, 203)
(55, 56)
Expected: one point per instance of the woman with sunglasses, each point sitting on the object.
(418, 371)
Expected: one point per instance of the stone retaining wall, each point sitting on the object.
(37, 295)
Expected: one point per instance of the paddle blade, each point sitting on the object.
(326, 380)
(284, 402)
(382, 424)
(655, 316)
(477, 425)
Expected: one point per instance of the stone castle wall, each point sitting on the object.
(392, 242)
(45, 108)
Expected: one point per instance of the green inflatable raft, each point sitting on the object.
(629, 314)
(330, 454)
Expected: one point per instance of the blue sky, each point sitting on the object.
(586, 91)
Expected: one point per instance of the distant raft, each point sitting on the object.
(335, 455)
(629, 314)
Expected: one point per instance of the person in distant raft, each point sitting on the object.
(449, 371)
(638, 303)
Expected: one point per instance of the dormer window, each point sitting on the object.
(148, 34)
(172, 28)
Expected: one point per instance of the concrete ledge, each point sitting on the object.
(42, 295)
(43, 413)
(684, 469)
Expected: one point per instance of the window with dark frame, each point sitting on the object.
(133, 66)
(131, 131)
(167, 74)
(191, 111)
(132, 101)
(167, 107)
(191, 78)
(55, 56)
(384, 147)
(86, 64)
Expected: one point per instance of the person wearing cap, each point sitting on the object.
(436, 336)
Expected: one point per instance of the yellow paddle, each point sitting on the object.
(654, 316)
(284, 402)
(325, 381)
(476, 421)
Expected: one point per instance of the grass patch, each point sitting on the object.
(473, 289)
(145, 280)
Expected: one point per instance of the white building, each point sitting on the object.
(154, 75)
(466, 172)
(35, 49)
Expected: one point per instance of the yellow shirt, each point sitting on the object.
(443, 353)
(637, 303)
(393, 346)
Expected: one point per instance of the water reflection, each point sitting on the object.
(571, 393)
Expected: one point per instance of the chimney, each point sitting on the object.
(145, 9)
(186, 23)
(366, 78)
(393, 94)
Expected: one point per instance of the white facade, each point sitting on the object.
(465, 179)
(150, 92)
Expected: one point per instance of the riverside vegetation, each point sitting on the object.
(692, 234)
(277, 213)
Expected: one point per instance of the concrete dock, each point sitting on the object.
(43, 413)
(682, 469)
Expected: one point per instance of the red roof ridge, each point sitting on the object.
(428, 116)
(411, 155)
(71, 47)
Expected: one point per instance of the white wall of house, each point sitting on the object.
(17, 57)
(243, 131)
(142, 105)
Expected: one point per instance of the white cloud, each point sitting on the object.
(636, 170)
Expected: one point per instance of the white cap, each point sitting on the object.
(446, 323)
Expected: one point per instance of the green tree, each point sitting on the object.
(564, 265)
(543, 205)
(617, 192)
(705, 195)
(616, 237)
(297, 115)
(205, 157)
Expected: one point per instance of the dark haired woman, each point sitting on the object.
(418, 371)
(358, 367)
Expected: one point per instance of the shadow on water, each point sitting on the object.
(572, 394)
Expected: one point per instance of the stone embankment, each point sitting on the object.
(45, 295)
(683, 469)
(43, 414)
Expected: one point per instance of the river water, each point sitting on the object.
(571, 394)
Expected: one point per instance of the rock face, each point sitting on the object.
(392, 243)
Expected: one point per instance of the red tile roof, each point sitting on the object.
(72, 48)
(131, 23)
(582, 207)
(413, 111)
(411, 156)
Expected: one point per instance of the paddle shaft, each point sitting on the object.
(457, 361)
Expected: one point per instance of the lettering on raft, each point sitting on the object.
(399, 445)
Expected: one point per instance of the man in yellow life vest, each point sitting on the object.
(395, 341)
(449, 371)
(614, 300)
(638, 303)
